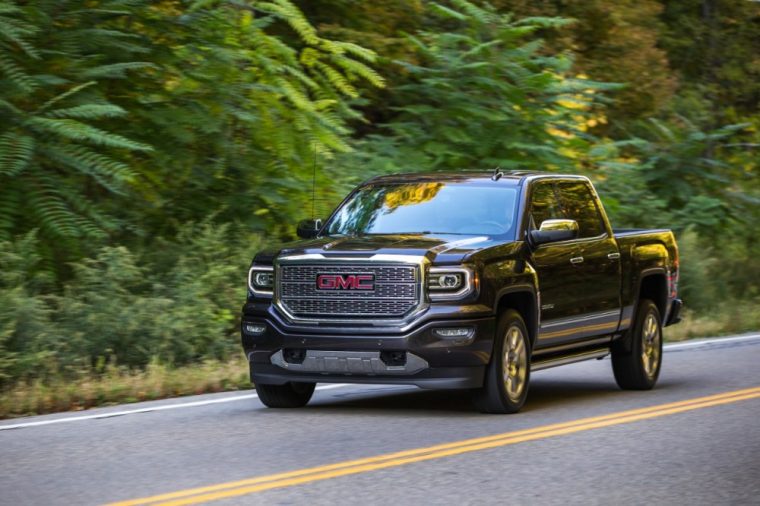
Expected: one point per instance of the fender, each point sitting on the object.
(630, 312)
(534, 318)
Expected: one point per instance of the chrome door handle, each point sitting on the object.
(613, 256)
(576, 260)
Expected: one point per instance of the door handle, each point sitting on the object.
(576, 260)
(613, 256)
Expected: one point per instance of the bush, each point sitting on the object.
(175, 303)
(698, 265)
(24, 312)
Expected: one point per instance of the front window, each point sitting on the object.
(427, 208)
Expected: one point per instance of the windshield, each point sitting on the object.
(427, 208)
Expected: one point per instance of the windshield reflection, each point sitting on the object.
(427, 208)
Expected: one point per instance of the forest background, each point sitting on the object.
(149, 148)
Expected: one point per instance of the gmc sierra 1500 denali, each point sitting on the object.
(465, 280)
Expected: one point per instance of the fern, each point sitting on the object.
(53, 149)
(15, 31)
(183, 109)
(115, 70)
(82, 132)
(16, 75)
(88, 112)
(16, 151)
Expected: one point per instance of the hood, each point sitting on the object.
(438, 248)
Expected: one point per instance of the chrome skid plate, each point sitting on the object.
(349, 362)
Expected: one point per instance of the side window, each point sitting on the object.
(579, 205)
(544, 205)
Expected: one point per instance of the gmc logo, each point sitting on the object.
(346, 282)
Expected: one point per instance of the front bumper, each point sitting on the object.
(432, 361)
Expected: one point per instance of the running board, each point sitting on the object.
(568, 359)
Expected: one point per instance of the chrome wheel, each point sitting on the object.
(514, 363)
(650, 345)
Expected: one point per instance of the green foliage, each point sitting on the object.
(178, 304)
(699, 271)
(681, 174)
(484, 95)
(615, 42)
(24, 308)
(714, 46)
(54, 156)
(242, 111)
(229, 108)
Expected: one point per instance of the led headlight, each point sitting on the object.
(261, 280)
(445, 281)
(450, 283)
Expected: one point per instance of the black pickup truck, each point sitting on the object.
(468, 280)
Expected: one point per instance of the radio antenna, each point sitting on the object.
(497, 173)
(314, 182)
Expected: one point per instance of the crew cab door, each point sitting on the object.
(559, 279)
(597, 261)
(579, 279)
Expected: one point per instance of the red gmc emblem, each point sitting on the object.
(346, 282)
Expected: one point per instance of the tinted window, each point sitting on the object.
(437, 208)
(579, 205)
(544, 205)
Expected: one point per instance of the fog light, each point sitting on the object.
(456, 335)
(254, 329)
(448, 333)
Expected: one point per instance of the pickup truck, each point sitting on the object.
(459, 281)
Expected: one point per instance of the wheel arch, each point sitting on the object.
(653, 285)
(523, 300)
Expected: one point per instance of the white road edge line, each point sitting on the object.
(163, 407)
(674, 346)
(717, 340)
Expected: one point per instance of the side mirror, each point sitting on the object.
(308, 229)
(554, 230)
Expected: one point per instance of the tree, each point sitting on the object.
(484, 94)
(714, 46)
(186, 110)
(59, 147)
(615, 42)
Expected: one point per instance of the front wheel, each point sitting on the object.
(508, 374)
(639, 367)
(289, 395)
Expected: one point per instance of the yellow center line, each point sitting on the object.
(297, 477)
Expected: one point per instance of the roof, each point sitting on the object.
(514, 176)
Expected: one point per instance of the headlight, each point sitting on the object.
(445, 280)
(450, 283)
(261, 280)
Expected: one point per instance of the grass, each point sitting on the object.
(157, 381)
(729, 318)
(120, 385)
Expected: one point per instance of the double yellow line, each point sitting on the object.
(312, 474)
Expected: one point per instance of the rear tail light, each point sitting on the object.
(673, 277)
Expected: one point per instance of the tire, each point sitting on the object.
(506, 383)
(638, 367)
(289, 395)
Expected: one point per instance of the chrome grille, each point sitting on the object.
(396, 293)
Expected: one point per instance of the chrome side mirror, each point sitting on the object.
(554, 231)
(308, 229)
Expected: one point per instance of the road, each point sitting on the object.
(693, 440)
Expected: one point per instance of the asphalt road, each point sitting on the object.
(695, 439)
